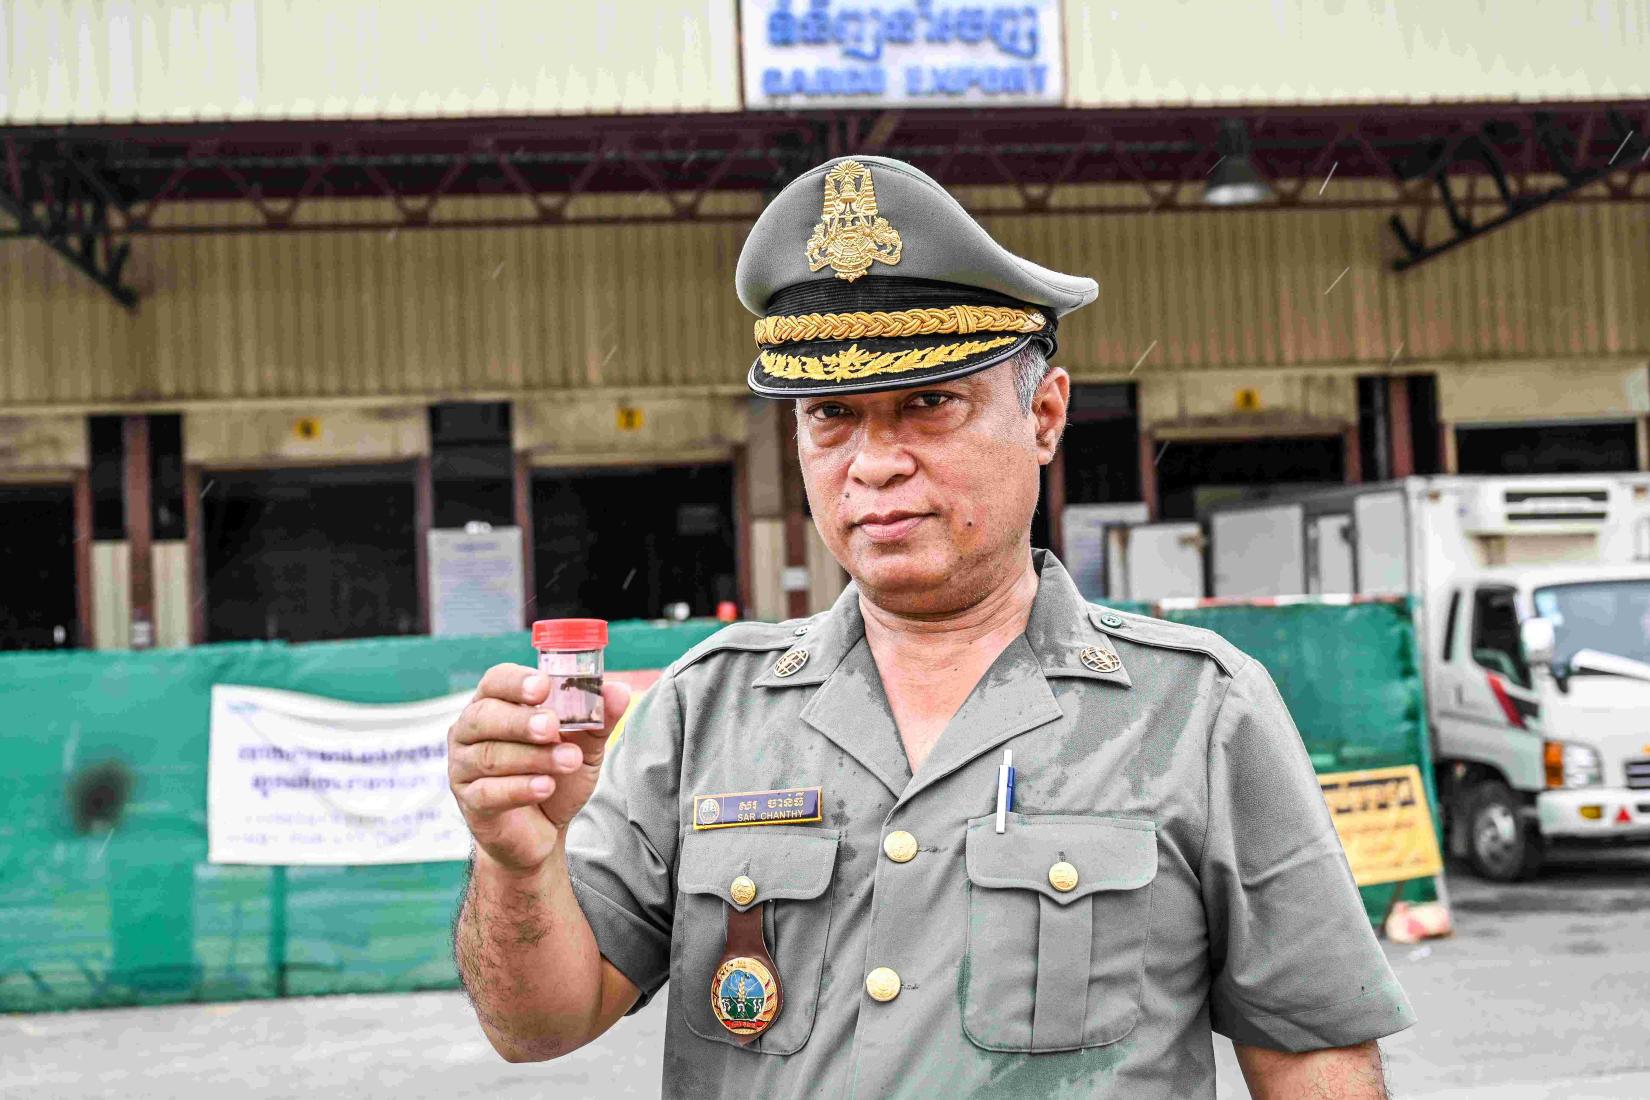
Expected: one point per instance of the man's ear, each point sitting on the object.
(1048, 411)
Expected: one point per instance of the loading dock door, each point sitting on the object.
(305, 554)
(627, 542)
(37, 567)
(1194, 476)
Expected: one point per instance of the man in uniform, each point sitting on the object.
(809, 828)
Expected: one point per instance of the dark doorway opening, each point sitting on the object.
(1195, 475)
(1547, 449)
(307, 554)
(37, 556)
(1099, 452)
(1102, 445)
(1388, 405)
(625, 543)
(471, 467)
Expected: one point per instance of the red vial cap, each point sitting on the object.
(570, 634)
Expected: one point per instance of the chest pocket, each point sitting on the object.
(1059, 913)
(792, 867)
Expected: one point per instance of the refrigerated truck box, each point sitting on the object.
(1532, 598)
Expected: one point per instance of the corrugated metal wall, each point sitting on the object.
(207, 60)
(476, 312)
(427, 313)
(1260, 288)
(1205, 52)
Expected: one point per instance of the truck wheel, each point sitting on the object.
(1500, 846)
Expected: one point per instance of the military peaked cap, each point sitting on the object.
(867, 275)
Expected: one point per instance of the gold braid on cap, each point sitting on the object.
(854, 362)
(900, 322)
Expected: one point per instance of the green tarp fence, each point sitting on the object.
(137, 916)
(1351, 675)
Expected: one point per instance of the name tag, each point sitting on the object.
(787, 807)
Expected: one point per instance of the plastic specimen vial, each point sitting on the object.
(570, 653)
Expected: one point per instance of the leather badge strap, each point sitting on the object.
(744, 992)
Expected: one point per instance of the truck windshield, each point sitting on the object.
(1609, 616)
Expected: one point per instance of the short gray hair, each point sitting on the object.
(1030, 367)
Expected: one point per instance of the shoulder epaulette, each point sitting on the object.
(1145, 630)
(750, 637)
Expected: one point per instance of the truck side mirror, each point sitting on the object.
(1537, 639)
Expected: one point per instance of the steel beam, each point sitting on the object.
(1427, 160)
(1566, 155)
(67, 207)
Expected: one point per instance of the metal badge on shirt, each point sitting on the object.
(789, 806)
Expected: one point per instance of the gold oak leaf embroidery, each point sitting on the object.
(854, 362)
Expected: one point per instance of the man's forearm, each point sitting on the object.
(1335, 1073)
(528, 959)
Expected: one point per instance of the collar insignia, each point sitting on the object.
(851, 235)
(1100, 660)
(791, 663)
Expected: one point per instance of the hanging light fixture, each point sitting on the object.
(1233, 181)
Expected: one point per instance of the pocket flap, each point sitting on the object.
(1109, 853)
(783, 862)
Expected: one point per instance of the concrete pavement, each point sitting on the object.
(1542, 993)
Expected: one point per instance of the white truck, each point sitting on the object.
(1533, 611)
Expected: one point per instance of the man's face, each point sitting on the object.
(925, 495)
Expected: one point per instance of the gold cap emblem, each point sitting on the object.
(1100, 660)
(851, 234)
(742, 891)
(790, 662)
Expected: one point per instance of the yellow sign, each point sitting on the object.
(1246, 401)
(629, 419)
(306, 428)
(1384, 823)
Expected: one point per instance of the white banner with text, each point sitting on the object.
(301, 779)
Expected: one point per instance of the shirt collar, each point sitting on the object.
(1063, 633)
(1064, 628)
(826, 638)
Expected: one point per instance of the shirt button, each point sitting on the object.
(900, 846)
(742, 891)
(1063, 877)
(882, 984)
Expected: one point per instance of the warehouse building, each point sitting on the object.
(305, 335)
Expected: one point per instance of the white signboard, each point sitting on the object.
(803, 54)
(300, 779)
(475, 581)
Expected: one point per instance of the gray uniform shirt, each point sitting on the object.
(1211, 890)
